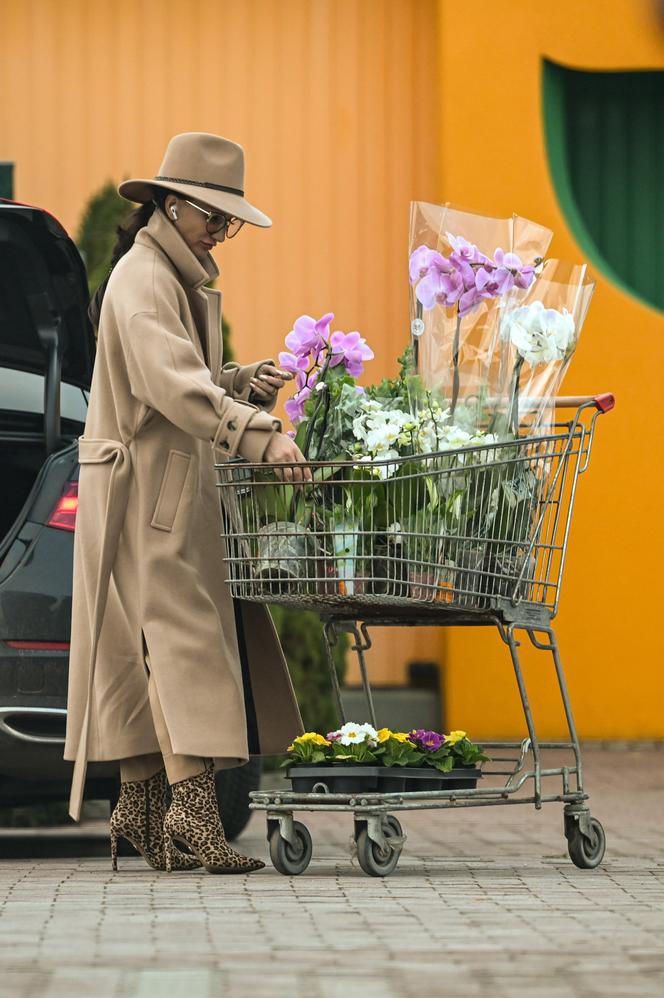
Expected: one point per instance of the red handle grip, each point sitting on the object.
(604, 402)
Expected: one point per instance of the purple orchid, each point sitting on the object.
(352, 350)
(511, 271)
(442, 284)
(420, 260)
(467, 276)
(309, 335)
(295, 407)
(430, 741)
(465, 251)
(293, 362)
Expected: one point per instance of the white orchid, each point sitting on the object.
(479, 440)
(378, 432)
(456, 438)
(540, 335)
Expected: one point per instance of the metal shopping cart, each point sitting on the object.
(470, 537)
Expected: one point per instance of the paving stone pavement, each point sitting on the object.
(483, 902)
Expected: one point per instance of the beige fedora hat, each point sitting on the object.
(206, 167)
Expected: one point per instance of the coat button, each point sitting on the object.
(231, 425)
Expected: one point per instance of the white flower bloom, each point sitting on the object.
(456, 438)
(370, 733)
(382, 471)
(394, 533)
(352, 734)
(479, 440)
(540, 335)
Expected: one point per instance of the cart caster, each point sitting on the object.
(291, 857)
(586, 841)
(380, 860)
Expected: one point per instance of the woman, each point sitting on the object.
(167, 673)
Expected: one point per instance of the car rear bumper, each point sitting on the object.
(33, 716)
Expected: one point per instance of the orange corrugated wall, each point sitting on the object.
(496, 161)
(335, 103)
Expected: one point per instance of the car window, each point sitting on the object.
(21, 391)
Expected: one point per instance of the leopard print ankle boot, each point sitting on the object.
(138, 817)
(193, 820)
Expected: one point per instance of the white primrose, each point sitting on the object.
(352, 734)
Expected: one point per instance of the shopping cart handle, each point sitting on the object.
(604, 402)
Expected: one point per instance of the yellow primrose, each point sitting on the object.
(384, 734)
(400, 736)
(310, 737)
(454, 737)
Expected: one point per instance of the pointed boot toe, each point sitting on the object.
(193, 820)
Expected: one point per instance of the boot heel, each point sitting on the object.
(169, 852)
(114, 851)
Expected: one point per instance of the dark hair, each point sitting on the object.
(126, 234)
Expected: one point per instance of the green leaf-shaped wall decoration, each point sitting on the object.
(605, 139)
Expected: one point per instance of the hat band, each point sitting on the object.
(203, 183)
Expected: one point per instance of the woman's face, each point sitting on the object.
(191, 224)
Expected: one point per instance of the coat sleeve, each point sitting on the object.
(235, 378)
(166, 373)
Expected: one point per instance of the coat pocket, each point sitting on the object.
(170, 490)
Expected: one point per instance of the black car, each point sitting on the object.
(47, 350)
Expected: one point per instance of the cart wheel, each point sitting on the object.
(287, 858)
(587, 853)
(377, 862)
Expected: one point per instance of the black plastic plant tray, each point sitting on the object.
(350, 778)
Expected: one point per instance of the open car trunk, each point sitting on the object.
(23, 462)
(46, 352)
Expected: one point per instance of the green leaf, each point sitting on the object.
(445, 764)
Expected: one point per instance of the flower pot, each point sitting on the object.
(508, 567)
(327, 583)
(422, 586)
(445, 582)
(471, 582)
(285, 557)
(428, 778)
(336, 777)
(345, 539)
(354, 778)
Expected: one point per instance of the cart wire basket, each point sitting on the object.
(474, 536)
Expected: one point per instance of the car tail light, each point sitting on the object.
(39, 645)
(64, 512)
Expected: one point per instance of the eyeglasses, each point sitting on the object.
(217, 222)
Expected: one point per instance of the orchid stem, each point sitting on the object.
(416, 340)
(455, 362)
(312, 421)
(514, 405)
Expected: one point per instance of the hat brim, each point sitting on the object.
(233, 204)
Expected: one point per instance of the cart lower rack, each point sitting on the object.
(475, 538)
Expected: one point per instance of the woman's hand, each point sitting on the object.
(282, 450)
(268, 381)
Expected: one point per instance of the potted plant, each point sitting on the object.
(358, 758)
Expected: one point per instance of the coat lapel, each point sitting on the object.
(213, 331)
(194, 274)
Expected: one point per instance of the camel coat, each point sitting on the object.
(149, 573)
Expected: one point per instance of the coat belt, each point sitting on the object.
(113, 452)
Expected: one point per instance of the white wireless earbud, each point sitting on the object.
(174, 212)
